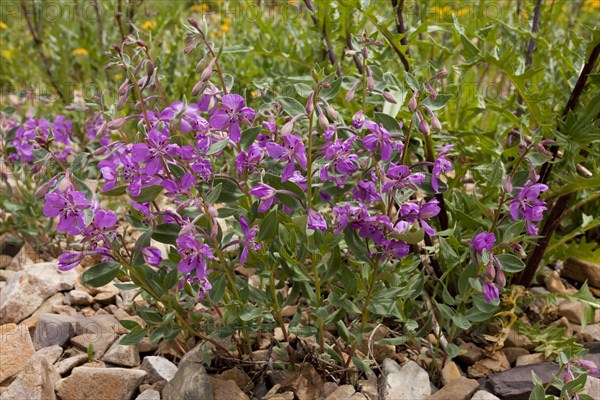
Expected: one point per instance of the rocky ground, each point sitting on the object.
(59, 339)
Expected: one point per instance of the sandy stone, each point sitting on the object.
(411, 382)
(496, 363)
(5, 261)
(512, 353)
(341, 393)
(555, 285)
(45, 308)
(26, 257)
(516, 339)
(483, 395)
(582, 271)
(150, 394)
(460, 389)
(574, 312)
(123, 356)
(27, 289)
(15, 350)
(35, 382)
(100, 342)
(65, 366)
(238, 376)
(86, 383)
(78, 298)
(530, 359)
(227, 390)
(305, 382)
(450, 373)
(190, 382)
(51, 330)
(469, 353)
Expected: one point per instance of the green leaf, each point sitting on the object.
(332, 91)
(396, 341)
(133, 337)
(118, 191)
(100, 274)
(510, 263)
(217, 147)
(388, 122)
(214, 194)
(129, 324)
(250, 313)
(249, 136)
(291, 106)
(149, 193)
(268, 226)
(166, 233)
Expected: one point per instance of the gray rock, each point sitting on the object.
(35, 382)
(516, 384)
(149, 394)
(27, 289)
(459, 389)
(159, 369)
(86, 383)
(123, 356)
(53, 329)
(191, 382)
(483, 395)
(410, 382)
(65, 366)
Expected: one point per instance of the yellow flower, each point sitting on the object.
(148, 25)
(225, 27)
(199, 8)
(80, 52)
(461, 12)
(3, 25)
(593, 3)
(7, 54)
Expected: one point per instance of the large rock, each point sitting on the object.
(158, 369)
(16, 349)
(497, 362)
(227, 390)
(65, 366)
(191, 382)
(574, 312)
(581, 271)
(305, 382)
(410, 382)
(123, 356)
(469, 354)
(87, 383)
(460, 389)
(27, 289)
(45, 308)
(99, 342)
(516, 384)
(53, 329)
(37, 379)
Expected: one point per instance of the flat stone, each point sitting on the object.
(35, 382)
(530, 359)
(450, 373)
(79, 298)
(516, 384)
(512, 353)
(46, 307)
(149, 394)
(305, 382)
(341, 393)
(574, 312)
(483, 395)
(469, 354)
(190, 382)
(555, 285)
(105, 298)
(53, 329)
(460, 389)
(27, 289)
(227, 390)
(495, 363)
(87, 383)
(123, 356)
(15, 350)
(516, 339)
(100, 342)
(238, 376)
(65, 366)
(50, 354)
(158, 369)
(411, 382)
(581, 271)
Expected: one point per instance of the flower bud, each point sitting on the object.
(412, 103)
(287, 128)
(350, 95)
(490, 272)
(500, 279)
(198, 88)
(431, 91)
(208, 71)
(325, 85)
(315, 75)
(424, 127)
(365, 52)
(43, 190)
(193, 23)
(542, 149)
(370, 83)
(149, 68)
(323, 122)
(189, 48)
(358, 119)
(140, 43)
(201, 65)
(331, 113)
(310, 104)
(123, 88)
(508, 185)
(121, 102)
(441, 74)
(116, 124)
(436, 124)
(389, 97)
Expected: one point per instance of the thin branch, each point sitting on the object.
(400, 23)
(530, 48)
(330, 53)
(37, 42)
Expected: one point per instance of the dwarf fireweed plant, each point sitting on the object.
(332, 204)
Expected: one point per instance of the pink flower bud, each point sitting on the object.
(123, 88)
(412, 103)
(389, 97)
(149, 68)
(287, 128)
(441, 74)
(500, 279)
(310, 104)
(370, 83)
(331, 113)
(435, 124)
(431, 90)
(208, 71)
(116, 124)
(350, 95)
(198, 88)
(323, 122)
(508, 185)
(193, 23)
(424, 127)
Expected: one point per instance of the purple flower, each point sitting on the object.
(103, 224)
(292, 150)
(249, 239)
(342, 161)
(412, 212)
(527, 204)
(69, 260)
(440, 166)
(366, 192)
(316, 221)
(152, 255)
(97, 129)
(189, 117)
(358, 119)
(591, 367)
(395, 249)
(69, 208)
(62, 129)
(247, 162)
(194, 255)
(490, 291)
(399, 177)
(379, 138)
(265, 193)
(483, 241)
(158, 147)
(231, 114)
(176, 187)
